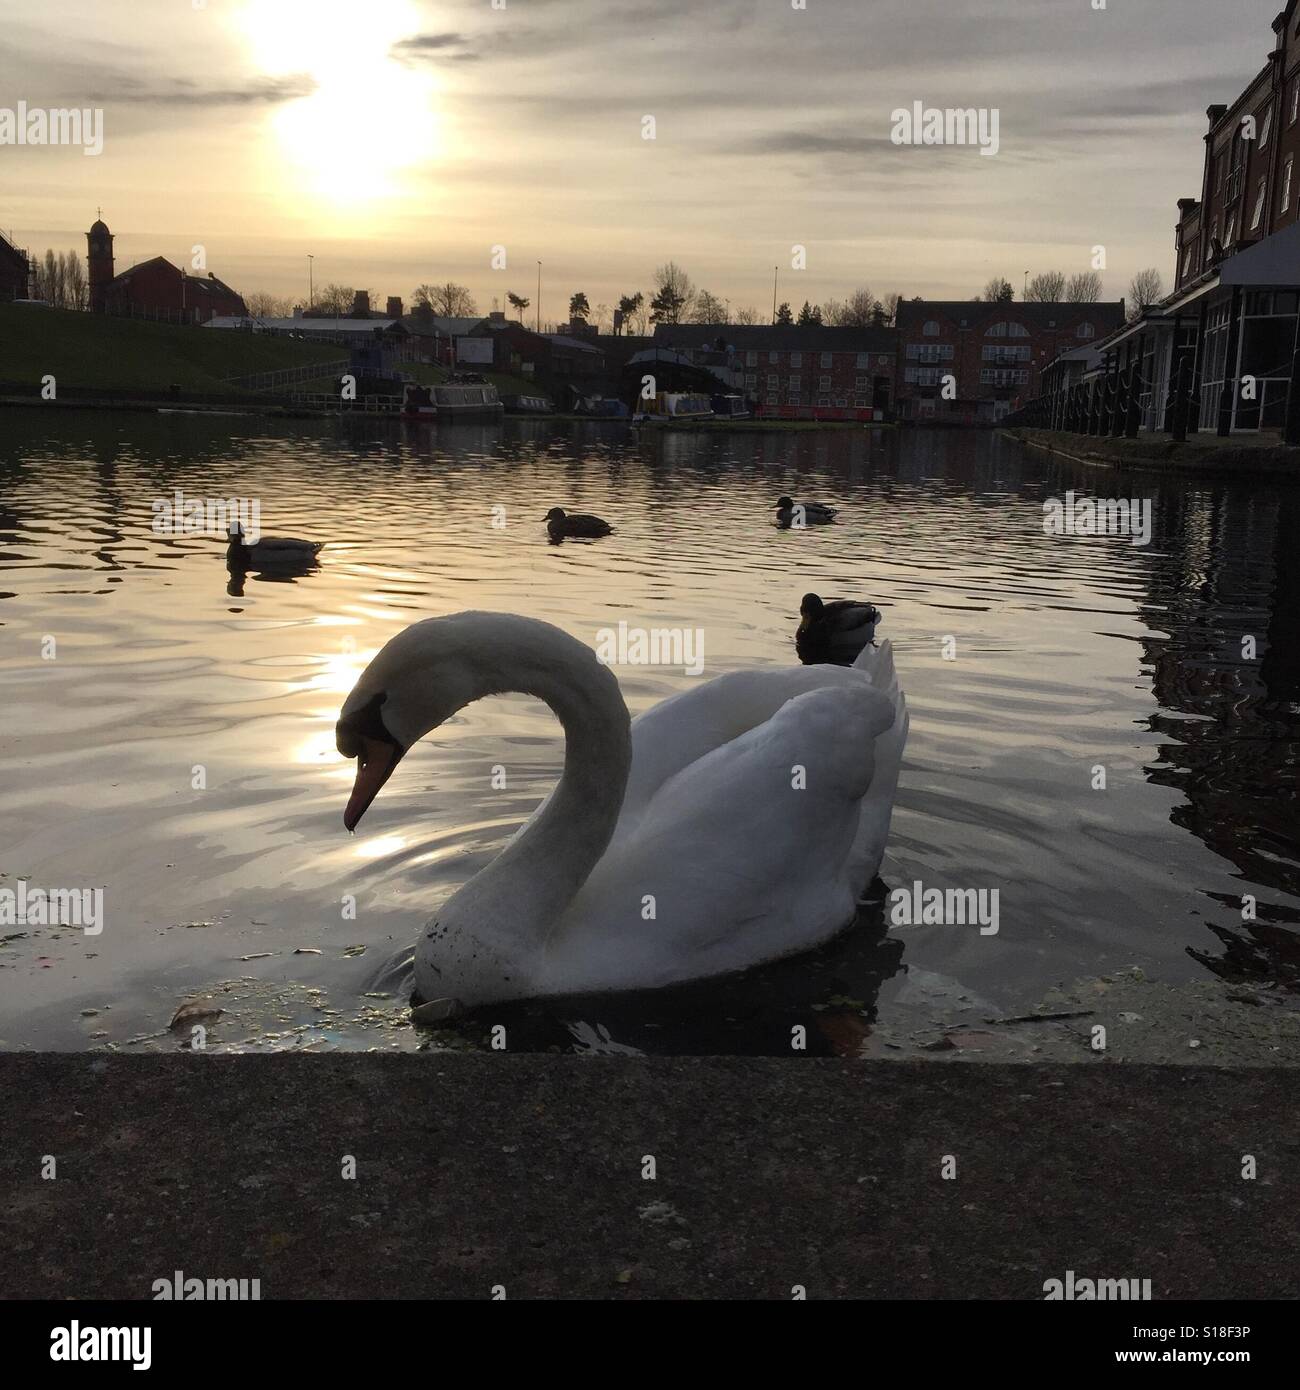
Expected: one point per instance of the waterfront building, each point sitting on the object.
(153, 289)
(791, 370)
(1230, 325)
(969, 362)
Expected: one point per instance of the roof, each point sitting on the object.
(1029, 312)
(775, 337)
(562, 340)
(98, 226)
(425, 324)
(304, 325)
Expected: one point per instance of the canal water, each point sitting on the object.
(168, 729)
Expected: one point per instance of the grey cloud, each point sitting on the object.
(267, 91)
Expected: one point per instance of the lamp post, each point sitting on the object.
(776, 275)
(539, 296)
(311, 284)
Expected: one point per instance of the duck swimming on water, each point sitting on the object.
(801, 514)
(835, 631)
(560, 524)
(270, 552)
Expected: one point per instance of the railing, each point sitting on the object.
(286, 376)
(365, 405)
(1112, 405)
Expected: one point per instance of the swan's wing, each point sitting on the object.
(684, 728)
(747, 853)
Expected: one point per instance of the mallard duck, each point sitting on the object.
(834, 632)
(270, 552)
(560, 523)
(800, 514)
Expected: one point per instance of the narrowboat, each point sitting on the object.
(455, 400)
(668, 407)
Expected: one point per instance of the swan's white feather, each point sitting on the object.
(741, 865)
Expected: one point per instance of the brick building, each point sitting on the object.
(993, 355)
(15, 272)
(1231, 321)
(791, 370)
(154, 288)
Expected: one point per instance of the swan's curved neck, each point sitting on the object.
(511, 905)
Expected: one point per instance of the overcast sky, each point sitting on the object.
(399, 141)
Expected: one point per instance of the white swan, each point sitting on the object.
(686, 844)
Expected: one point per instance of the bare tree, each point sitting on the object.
(76, 282)
(451, 300)
(745, 316)
(1083, 288)
(1146, 288)
(1046, 288)
(263, 305)
(860, 310)
(998, 291)
(334, 301)
(674, 294)
(892, 301)
(708, 308)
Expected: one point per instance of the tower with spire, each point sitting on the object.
(99, 259)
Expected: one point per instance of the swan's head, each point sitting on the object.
(784, 504)
(555, 516)
(420, 678)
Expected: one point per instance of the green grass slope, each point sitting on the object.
(94, 351)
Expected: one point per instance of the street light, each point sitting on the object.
(539, 296)
(311, 286)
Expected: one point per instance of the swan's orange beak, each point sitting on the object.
(375, 764)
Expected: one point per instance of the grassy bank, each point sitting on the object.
(92, 351)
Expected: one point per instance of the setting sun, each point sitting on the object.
(369, 117)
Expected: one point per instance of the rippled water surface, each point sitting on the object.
(1070, 655)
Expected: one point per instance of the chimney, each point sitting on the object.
(496, 316)
(361, 305)
(394, 310)
(297, 311)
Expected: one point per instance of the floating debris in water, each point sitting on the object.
(193, 1011)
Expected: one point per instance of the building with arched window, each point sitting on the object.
(154, 289)
(969, 362)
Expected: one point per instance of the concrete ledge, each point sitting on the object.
(1201, 453)
(526, 1171)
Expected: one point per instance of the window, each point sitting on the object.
(996, 352)
(931, 329)
(795, 384)
(860, 382)
(794, 400)
(774, 382)
(823, 400)
(751, 379)
(1259, 206)
(1230, 231)
(927, 352)
(1295, 102)
(773, 358)
(1007, 330)
(1266, 129)
(796, 359)
(1287, 169)
(1000, 376)
(864, 359)
(1085, 330)
(1189, 257)
(751, 359)
(828, 359)
(824, 383)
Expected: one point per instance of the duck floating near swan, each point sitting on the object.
(560, 524)
(270, 552)
(732, 824)
(800, 514)
(835, 630)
